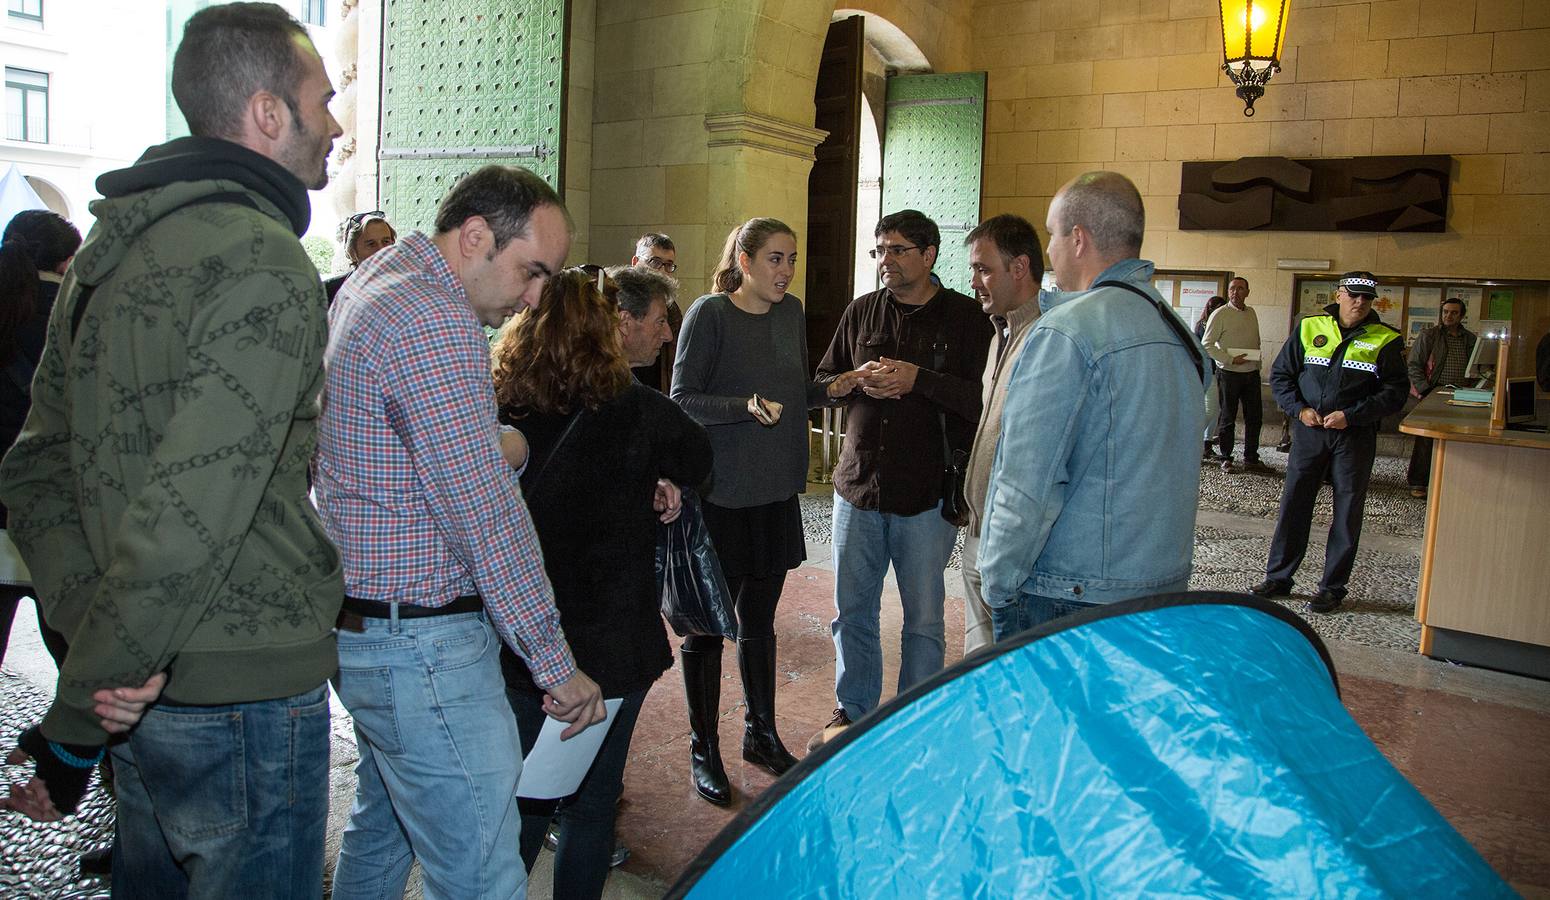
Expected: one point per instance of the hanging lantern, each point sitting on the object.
(1253, 35)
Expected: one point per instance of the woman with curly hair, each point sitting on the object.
(598, 441)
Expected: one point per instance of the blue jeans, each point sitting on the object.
(865, 542)
(439, 762)
(223, 801)
(1028, 611)
(587, 816)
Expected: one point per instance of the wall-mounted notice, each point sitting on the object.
(1421, 310)
(1165, 288)
(1315, 296)
(1499, 305)
(1390, 303)
(1196, 293)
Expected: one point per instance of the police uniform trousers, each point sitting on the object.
(1347, 455)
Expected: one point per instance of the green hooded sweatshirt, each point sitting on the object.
(158, 491)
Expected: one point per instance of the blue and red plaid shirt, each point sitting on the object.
(409, 477)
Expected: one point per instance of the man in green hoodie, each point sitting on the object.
(158, 489)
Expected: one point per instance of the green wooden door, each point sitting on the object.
(933, 149)
(465, 85)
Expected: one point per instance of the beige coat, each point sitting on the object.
(988, 434)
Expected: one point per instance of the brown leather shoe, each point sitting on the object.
(837, 724)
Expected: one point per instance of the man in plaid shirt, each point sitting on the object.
(439, 552)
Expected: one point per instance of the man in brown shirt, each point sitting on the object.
(1008, 267)
(919, 350)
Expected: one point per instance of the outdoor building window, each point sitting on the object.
(26, 105)
(30, 10)
(314, 14)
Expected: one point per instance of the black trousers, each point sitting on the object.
(10, 598)
(1347, 455)
(1239, 389)
(1419, 475)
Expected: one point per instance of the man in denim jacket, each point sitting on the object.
(1093, 492)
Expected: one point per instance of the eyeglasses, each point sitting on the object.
(362, 216)
(661, 265)
(882, 251)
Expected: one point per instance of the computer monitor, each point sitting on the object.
(1480, 371)
(1520, 400)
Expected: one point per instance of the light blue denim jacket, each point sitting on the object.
(1093, 491)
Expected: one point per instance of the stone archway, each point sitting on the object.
(760, 99)
(51, 196)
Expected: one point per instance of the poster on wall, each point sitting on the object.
(1192, 298)
(1420, 311)
(1390, 304)
(1314, 297)
(1164, 287)
(1499, 305)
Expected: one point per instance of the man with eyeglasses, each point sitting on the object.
(1337, 376)
(919, 350)
(655, 250)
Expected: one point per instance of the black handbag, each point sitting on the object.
(955, 503)
(695, 598)
(955, 463)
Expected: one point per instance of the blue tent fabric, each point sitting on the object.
(1188, 745)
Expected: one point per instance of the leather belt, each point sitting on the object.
(356, 610)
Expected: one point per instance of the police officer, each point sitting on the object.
(1337, 376)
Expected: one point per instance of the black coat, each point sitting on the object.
(16, 377)
(592, 509)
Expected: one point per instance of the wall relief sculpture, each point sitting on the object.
(1273, 193)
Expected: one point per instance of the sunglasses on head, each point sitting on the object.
(362, 216)
(596, 271)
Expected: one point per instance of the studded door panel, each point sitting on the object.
(464, 85)
(933, 148)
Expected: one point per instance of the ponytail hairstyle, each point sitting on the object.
(36, 240)
(749, 237)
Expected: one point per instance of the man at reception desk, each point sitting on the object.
(1337, 376)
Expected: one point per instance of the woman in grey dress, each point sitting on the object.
(742, 372)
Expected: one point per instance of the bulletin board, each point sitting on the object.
(1188, 291)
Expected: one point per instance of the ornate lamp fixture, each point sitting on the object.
(1253, 35)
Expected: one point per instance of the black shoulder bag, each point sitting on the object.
(955, 463)
(1168, 317)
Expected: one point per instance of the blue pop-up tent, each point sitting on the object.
(1187, 745)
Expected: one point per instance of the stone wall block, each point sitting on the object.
(1478, 174)
(1431, 96)
(1457, 134)
(1492, 93)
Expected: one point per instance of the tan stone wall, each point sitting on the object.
(1134, 86)
(662, 67)
(579, 75)
(703, 109)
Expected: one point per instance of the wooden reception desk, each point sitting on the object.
(1485, 566)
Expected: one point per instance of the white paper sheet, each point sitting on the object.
(555, 768)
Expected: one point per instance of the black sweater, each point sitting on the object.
(592, 510)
